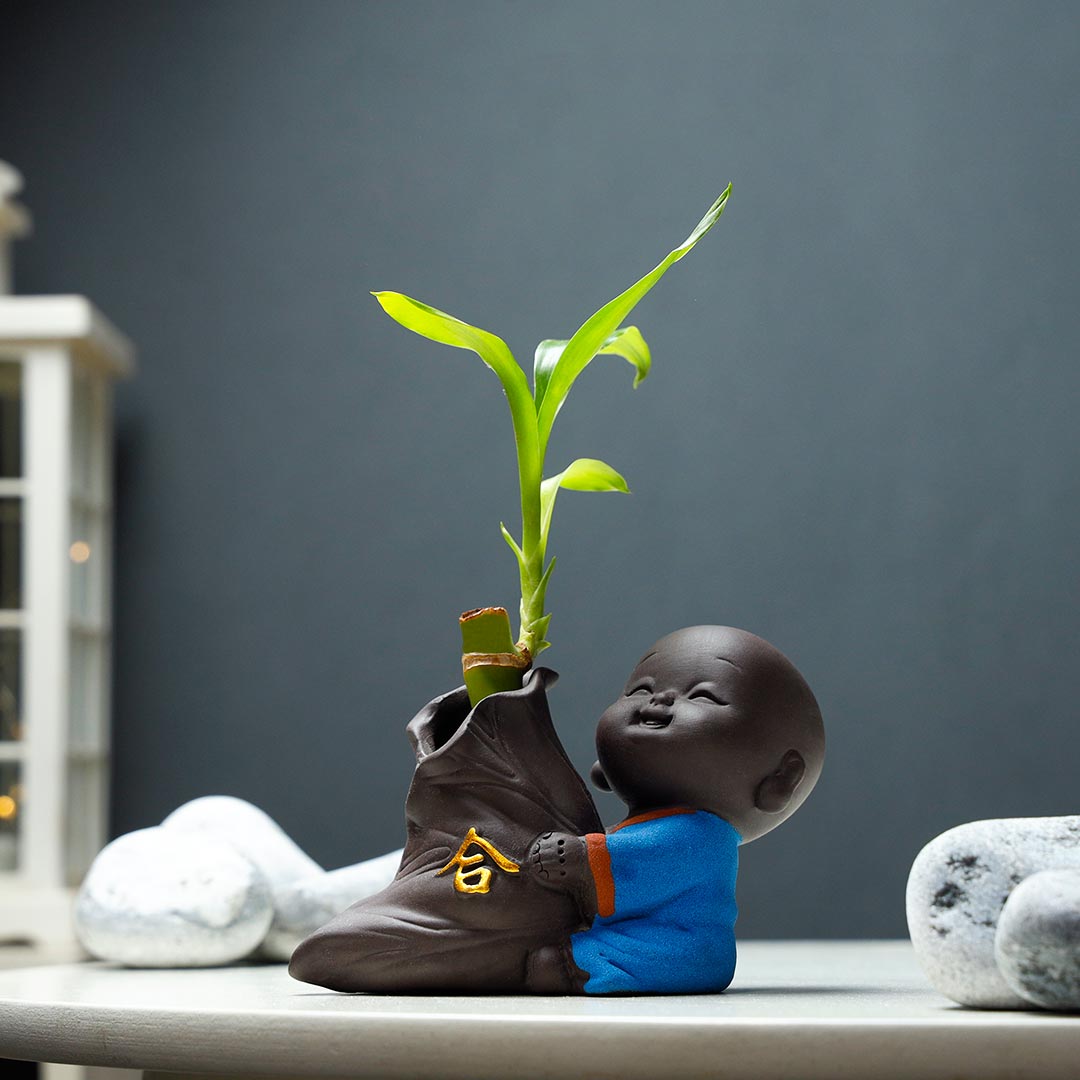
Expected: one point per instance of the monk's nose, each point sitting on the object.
(664, 697)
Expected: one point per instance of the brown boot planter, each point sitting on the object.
(465, 910)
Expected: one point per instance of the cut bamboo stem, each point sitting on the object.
(490, 661)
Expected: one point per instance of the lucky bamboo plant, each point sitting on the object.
(491, 660)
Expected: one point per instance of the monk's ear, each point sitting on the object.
(596, 775)
(774, 792)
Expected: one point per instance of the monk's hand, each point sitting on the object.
(560, 861)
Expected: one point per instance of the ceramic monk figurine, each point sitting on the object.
(509, 884)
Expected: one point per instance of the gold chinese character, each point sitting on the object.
(477, 879)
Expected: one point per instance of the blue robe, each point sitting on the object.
(665, 885)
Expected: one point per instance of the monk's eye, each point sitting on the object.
(638, 690)
(702, 694)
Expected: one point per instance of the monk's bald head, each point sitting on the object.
(715, 718)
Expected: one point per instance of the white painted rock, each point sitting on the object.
(304, 895)
(162, 898)
(149, 899)
(301, 907)
(957, 888)
(1038, 940)
(252, 832)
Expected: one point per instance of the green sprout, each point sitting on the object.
(492, 661)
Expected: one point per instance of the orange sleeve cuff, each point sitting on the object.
(600, 865)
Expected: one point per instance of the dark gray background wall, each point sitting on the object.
(859, 440)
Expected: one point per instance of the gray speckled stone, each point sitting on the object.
(302, 906)
(161, 898)
(1038, 940)
(956, 890)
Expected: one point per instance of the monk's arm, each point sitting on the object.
(560, 862)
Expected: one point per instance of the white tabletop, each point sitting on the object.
(796, 1009)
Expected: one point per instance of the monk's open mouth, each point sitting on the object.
(654, 721)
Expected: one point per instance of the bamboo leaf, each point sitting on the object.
(535, 603)
(537, 627)
(584, 474)
(542, 588)
(626, 342)
(584, 345)
(513, 546)
(437, 325)
(541, 626)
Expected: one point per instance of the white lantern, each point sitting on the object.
(58, 357)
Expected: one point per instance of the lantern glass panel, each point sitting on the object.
(85, 712)
(85, 553)
(11, 553)
(10, 419)
(82, 437)
(10, 809)
(85, 816)
(10, 686)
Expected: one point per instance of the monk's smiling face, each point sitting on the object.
(713, 718)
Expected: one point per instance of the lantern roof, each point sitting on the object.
(71, 321)
(14, 217)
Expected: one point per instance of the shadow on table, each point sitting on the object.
(737, 991)
(1032, 1011)
(18, 1070)
(798, 991)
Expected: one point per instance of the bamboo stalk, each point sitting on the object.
(490, 661)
